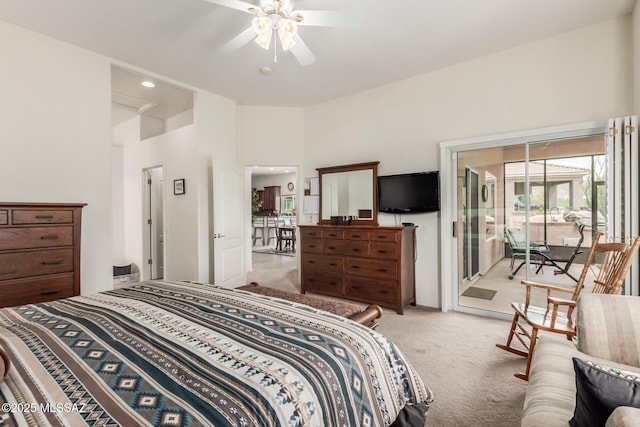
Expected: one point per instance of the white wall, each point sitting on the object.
(270, 136)
(117, 200)
(215, 120)
(578, 76)
(57, 147)
(176, 151)
(55, 137)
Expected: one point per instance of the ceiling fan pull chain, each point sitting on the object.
(275, 46)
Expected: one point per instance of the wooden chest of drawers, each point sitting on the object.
(39, 252)
(369, 264)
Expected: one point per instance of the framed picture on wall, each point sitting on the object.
(178, 186)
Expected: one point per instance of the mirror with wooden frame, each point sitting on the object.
(349, 191)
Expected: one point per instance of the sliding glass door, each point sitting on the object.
(526, 211)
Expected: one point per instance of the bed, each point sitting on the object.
(182, 354)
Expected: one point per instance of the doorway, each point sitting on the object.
(530, 181)
(153, 223)
(548, 197)
(274, 195)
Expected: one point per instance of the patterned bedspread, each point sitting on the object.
(180, 354)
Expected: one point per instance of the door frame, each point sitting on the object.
(472, 219)
(448, 183)
(147, 251)
(299, 200)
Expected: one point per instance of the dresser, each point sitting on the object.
(370, 264)
(39, 252)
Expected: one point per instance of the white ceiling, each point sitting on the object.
(181, 39)
(130, 98)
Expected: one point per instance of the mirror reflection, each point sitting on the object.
(347, 194)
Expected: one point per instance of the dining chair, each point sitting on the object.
(287, 238)
(272, 230)
(258, 230)
(610, 263)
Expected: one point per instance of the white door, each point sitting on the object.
(229, 217)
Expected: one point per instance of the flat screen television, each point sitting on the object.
(409, 193)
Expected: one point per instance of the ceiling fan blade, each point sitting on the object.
(329, 18)
(238, 41)
(302, 52)
(233, 4)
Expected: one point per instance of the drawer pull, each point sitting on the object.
(382, 270)
(382, 237)
(333, 264)
(382, 252)
(355, 267)
(331, 247)
(355, 236)
(311, 262)
(49, 237)
(51, 262)
(49, 292)
(44, 216)
(312, 246)
(355, 250)
(355, 287)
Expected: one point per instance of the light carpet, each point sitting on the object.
(455, 354)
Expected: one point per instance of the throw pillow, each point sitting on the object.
(411, 415)
(601, 389)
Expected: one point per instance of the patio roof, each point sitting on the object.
(555, 172)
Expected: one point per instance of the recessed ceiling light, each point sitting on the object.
(265, 71)
(148, 83)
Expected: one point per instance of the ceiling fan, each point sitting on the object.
(277, 20)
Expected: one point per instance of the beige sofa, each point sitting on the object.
(608, 334)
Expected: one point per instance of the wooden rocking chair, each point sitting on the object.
(614, 262)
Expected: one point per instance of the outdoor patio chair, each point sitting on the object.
(541, 255)
(612, 262)
(517, 242)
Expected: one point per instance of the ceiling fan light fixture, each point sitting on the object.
(264, 40)
(288, 27)
(261, 25)
(286, 42)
